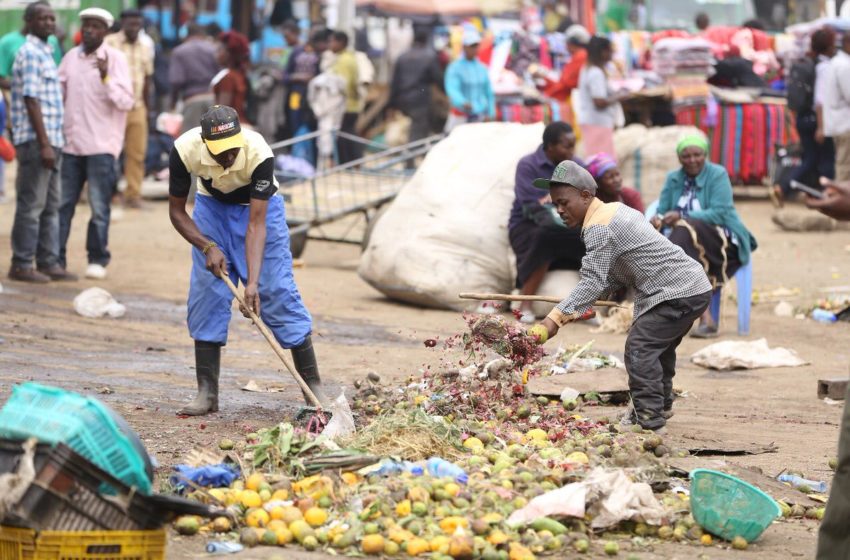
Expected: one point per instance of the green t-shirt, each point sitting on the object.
(12, 42)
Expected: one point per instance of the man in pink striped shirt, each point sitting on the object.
(98, 94)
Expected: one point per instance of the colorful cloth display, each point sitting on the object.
(744, 138)
(528, 114)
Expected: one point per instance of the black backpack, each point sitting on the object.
(801, 85)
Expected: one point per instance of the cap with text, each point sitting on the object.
(571, 174)
(221, 130)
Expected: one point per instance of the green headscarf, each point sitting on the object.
(692, 141)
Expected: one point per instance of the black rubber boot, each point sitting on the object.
(305, 363)
(207, 367)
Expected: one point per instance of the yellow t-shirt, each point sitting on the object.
(250, 176)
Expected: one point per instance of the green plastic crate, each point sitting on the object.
(729, 507)
(54, 415)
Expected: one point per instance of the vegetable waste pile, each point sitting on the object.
(459, 462)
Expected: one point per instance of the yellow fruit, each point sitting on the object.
(492, 518)
(257, 517)
(450, 524)
(310, 542)
(452, 489)
(218, 494)
(439, 544)
(402, 509)
(254, 481)
(221, 525)
(316, 516)
(391, 548)
(577, 457)
(276, 524)
(540, 443)
(350, 478)
(291, 514)
(284, 536)
(400, 535)
(250, 499)
(739, 543)
(497, 537)
(372, 544)
(536, 434)
(300, 530)
(417, 546)
(418, 494)
(277, 512)
(461, 547)
(519, 552)
(705, 540)
(473, 443)
(265, 495)
(187, 525)
(419, 399)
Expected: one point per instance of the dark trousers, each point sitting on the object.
(834, 534)
(651, 355)
(420, 122)
(818, 159)
(349, 150)
(35, 231)
(100, 172)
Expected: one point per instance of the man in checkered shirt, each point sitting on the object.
(37, 118)
(625, 251)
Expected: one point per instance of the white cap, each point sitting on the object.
(471, 36)
(98, 13)
(577, 34)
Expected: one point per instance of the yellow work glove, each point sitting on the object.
(539, 333)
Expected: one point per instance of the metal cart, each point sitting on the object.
(340, 203)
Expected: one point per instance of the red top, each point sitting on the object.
(561, 89)
(235, 84)
(628, 196)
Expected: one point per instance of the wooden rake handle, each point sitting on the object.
(264, 330)
(509, 297)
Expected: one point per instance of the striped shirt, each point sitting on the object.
(34, 74)
(625, 251)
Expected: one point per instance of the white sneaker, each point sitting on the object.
(96, 272)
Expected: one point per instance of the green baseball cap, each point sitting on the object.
(571, 174)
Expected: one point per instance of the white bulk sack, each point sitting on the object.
(646, 155)
(447, 231)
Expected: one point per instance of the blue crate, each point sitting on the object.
(53, 415)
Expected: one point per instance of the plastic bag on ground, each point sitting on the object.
(609, 496)
(97, 302)
(745, 354)
(341, 423)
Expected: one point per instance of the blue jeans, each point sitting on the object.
(35, 232)
(281, 307)
(100, 172)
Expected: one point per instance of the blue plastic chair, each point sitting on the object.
(744, 280)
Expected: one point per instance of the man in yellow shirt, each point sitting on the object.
(345, 65)
(140, 58)
(238, 228)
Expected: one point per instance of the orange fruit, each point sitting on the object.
(254, 481)
(250, 499)
(372, 544)
(256, 517)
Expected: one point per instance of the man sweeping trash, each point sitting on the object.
(625, 251)
(238, 229)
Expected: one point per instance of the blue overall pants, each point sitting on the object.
(210, 300)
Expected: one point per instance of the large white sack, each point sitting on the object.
(446, 231)
(647, 155)
(557, 283)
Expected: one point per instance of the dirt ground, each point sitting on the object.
(142, 364)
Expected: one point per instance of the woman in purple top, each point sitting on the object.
(537, 234)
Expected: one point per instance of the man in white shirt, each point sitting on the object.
(836, 108)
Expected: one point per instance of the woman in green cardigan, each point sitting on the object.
(696, 204)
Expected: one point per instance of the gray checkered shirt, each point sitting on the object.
(624, 250)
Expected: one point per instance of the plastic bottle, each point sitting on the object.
(396, 467)
(824, 316)
(796, 482)
(220, 547)
(441, 468)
